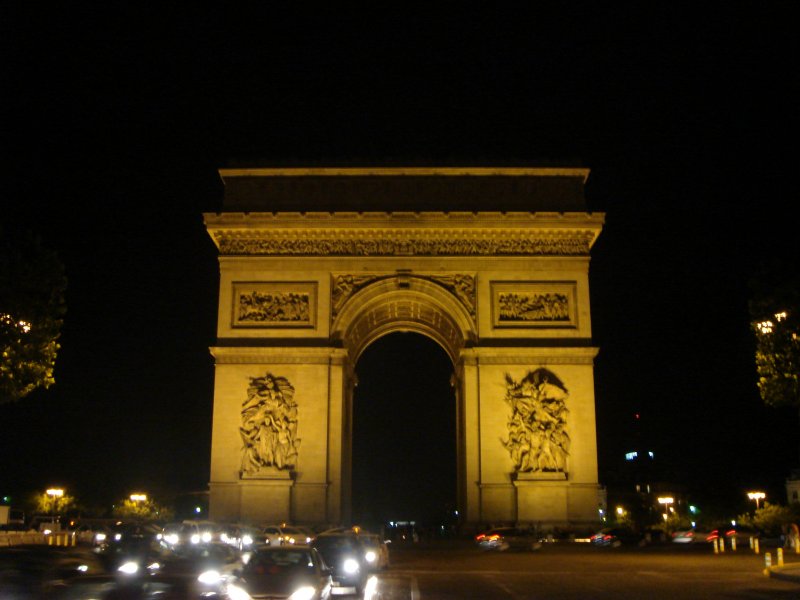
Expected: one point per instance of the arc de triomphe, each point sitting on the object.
(492, 264)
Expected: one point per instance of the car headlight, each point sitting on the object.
(129, 568)
(210, 577)
(236, 593)
(350, 566)
(206, 537)
(195, 538)
(172, 538)
(304, 593)
(100, 537)
(371, 556)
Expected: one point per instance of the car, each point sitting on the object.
(218, 557)
(241, 537)
(289, 572)
(149, 586)
(345, 556)
(35, 570)
(617, 536)
(191, 532)
(277, 535)
(376, 550)
(728, 533)
(505, 538)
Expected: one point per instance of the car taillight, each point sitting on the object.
(606, 537)
(479, 537)
(494, 537)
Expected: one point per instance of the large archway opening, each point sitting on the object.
(404, 433)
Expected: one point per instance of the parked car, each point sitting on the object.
(282, 572)
(617, 536)
(345, 556)
(505, 538)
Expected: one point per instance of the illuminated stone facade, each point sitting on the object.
(480, 260)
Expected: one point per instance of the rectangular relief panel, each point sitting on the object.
(271, 304)
(534, 304)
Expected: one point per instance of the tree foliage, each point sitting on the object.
(775, 320)
(142, 509)
(771, 518)
(32, 285)
(53, 505)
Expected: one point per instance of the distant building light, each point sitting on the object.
(693, 509)
(651, 455)
(631, 455)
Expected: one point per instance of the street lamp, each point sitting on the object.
(138, 497)
(667, 501)
(756, 496)
(55, 494)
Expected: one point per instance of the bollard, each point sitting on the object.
(755, 546)
(49, 540)
(722, 545)
(767, 563)
(733, 543)
(797, 544)
(780, 557)
(716, 546)
(751, 542)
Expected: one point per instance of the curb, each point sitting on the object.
(785, 573)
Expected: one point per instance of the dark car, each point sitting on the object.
(505, 538)
(278, 572)
(345, 556)
(151, 586)
(34, 571)
(617, 536)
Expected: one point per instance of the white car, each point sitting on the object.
(278, 535)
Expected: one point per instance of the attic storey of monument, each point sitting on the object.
(304, 290)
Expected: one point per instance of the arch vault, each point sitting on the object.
(306, 284)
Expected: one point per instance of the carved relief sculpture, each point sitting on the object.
(533, 307)
(460, 285)
(274, 307)
(269, 425)
(537, 438)
(273, 304)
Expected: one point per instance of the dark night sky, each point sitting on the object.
(115, 122)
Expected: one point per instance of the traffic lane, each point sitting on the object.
(577, 584)
(571, 571)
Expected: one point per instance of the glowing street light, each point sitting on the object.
(667, 501)
(756, 496)
(138, 497)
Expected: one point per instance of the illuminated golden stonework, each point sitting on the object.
(403, 234)
(492, 264)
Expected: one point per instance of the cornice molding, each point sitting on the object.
(404, 234)
(583, 173)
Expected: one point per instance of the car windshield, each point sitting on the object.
(277, 561)
(336, 544)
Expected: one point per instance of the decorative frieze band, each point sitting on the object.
(333, 242)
